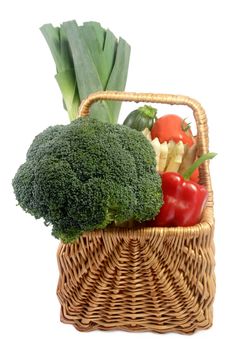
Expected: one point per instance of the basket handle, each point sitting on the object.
(198, 111)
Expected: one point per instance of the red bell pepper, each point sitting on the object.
(184, 200)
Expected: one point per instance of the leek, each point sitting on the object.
(88, 58)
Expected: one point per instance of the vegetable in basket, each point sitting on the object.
(88, 58)
(172, 139)
(142, 118)
(172, 127)
(184, 200)
(178, 157)
(88, 174)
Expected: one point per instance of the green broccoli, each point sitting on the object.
(86, 175)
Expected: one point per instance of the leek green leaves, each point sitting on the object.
(88, 58)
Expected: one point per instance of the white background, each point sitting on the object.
(182, 47)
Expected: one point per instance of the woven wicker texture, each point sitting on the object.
(156, 279)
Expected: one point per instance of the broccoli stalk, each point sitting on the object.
(87, 175)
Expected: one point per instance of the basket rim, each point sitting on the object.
(205, 227)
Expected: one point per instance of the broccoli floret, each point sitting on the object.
(88, 174)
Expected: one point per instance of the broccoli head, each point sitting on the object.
(86, 175)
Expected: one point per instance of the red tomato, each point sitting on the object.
(172, 127)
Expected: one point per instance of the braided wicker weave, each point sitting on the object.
(149, 279)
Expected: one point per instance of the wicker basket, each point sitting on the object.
(144, 279)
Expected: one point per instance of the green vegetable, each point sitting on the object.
(142, 118)
(88, 58)
(86, 175)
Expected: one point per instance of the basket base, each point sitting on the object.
(85, 325)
